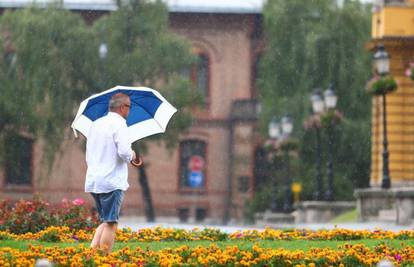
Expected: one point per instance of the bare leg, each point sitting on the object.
(108, 237)
(97, 236)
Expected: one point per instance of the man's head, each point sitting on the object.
(120, 103)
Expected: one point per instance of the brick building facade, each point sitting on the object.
(210, 174)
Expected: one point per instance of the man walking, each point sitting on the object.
(107, 157)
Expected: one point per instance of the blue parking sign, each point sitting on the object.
(195, 179)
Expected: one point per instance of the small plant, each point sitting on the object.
(4, 236)
(330, 118)
(381, 85)
(213, 234)
(289, 145)
(312, 122)
(51, 235)
(76, 215)
(323, 120)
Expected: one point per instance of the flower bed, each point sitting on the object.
(66, 234)
(36, 215)
(346, 255)
(80, 255)
(36, 220)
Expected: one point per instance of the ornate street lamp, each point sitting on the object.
(330, 103)
(382, 61)
(103, 52)
(330, 98)
(274, 129)
(318, 107)
(382, 68)
(287, 127)
(274, 134)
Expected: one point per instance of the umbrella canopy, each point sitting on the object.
(149, 113)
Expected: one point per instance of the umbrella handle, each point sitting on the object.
(136, 163)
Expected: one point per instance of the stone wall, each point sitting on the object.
(393, 205)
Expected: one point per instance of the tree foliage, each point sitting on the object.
(310, 44)
(50, 62)
(45, 68)
(142, 51)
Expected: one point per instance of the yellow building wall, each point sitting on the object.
(393, 21)
(393, 26)
(400, 122)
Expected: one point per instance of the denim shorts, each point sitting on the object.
(109, 205)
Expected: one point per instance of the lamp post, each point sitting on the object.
(274, 134)
(330, 102)
(318, 107)
(382, 67)
(287, 127)
(103, 52)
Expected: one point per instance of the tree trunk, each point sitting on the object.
(146, 194)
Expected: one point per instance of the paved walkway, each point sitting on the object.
(136, 223)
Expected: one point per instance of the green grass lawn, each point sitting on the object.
(350, 216)
(290, 245)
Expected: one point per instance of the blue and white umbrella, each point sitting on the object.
(149, 113)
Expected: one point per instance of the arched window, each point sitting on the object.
(199, 75)
(192, 173)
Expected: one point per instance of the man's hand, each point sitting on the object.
(137, 162)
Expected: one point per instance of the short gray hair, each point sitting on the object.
(117, 100)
